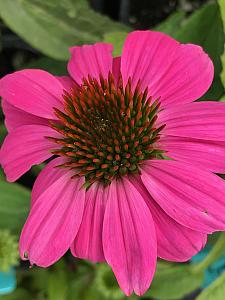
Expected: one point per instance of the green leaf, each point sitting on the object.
(117, 39)
(14, 206)
(83, 278)
(222, 10)
(53, 66)
(52, 26)
(216, 291)
(204, 27)
(222, 99)
(169, 26)
(79, 290)
(172, 24)
(213, 238)
(216, 90)
(39, 279)
(173, 281)
(57, 285)
(106, 283)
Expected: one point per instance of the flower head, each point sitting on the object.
(111, 194)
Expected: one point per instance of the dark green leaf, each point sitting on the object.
(53, 66)
(39, 278)
(222, 10)
(204, 27)
(36, 169)
(77, 288)
(3, 133)
(52, 26)
(17, 295)
(216, 90)
(172, 24)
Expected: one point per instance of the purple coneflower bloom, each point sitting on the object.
(131, 177)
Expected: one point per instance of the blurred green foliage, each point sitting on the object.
(52, 26)
(14, 206)
(173, 281)
(216, 291)
(9, 255)
(56, 25)
(222, 9)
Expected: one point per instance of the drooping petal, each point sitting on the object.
(175, 242)
(15, 117)
(191, 196)
(90, 60)
(47, 177)
(174, 72)
(88, 241)
(199, 120)
(53, 221)
(205, 154)
(127, 223)
(24, 147)
(34, 91)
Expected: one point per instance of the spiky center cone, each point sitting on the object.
(108, 131)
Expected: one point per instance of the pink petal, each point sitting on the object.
(90, 60)
(34, 91)
(191, 196)
(24, 147)
(47, 177)
(67, 82)
(176, 73)
(88, 241)
(204, 154)
(199, 120)
(127, 223)
(174, 241)
(116, 67)
(15, 117)
(53, 221)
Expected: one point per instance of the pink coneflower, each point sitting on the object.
(133, 178)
